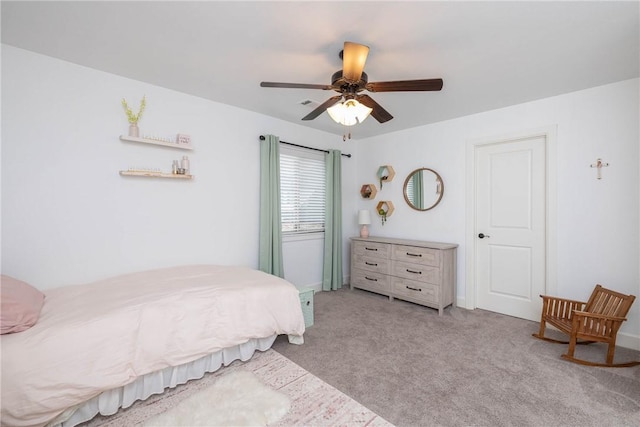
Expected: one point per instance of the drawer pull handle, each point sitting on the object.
(371, 249)
(369, 278)
(414, 272)
(413, 289)
(371, 263)
(410, 254)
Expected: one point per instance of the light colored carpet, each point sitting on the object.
(313, 402)
(464, 368)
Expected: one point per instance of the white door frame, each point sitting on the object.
(549, 133)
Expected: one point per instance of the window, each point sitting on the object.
(302, 191)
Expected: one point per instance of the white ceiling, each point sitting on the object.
(490, 54)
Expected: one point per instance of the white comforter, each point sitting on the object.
(103, 335)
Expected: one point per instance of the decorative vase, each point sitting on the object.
(134, 130)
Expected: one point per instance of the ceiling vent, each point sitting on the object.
(308, 102)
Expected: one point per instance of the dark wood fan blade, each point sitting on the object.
(326, 104)
(378, 113)
(405, 85)
(296, 85)
(354, 57)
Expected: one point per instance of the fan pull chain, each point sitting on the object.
(344, 137)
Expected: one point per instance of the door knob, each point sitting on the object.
(482, 236)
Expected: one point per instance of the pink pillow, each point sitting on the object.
(20, 305)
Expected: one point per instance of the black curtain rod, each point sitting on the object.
(302, 146)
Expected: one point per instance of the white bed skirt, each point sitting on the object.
(108, 402)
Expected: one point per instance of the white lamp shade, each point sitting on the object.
(349, 112)
(364, 217)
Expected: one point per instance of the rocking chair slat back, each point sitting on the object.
(609, 303)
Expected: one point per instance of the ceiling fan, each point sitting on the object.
(352, 80)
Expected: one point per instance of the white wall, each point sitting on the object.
(67, 215)
(597, 220)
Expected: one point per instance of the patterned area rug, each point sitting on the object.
(313, 402)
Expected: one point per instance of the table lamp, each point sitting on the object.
(364, 219)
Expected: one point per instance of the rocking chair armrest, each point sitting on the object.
(559, 308)
(572, 301)
(578, 314)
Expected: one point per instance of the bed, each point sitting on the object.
(101, 346)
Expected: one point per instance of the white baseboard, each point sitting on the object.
(317, 287)
(628, 341)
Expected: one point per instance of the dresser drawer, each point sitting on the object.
(417, 272)
(369, 263)
(414, 254)
(370, 280)
(424, 292)
(372, 249)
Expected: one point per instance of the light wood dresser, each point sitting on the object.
(420, 272)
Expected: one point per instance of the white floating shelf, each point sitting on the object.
(155, 175)
(155, 142)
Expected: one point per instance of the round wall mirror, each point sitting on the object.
(423, 189)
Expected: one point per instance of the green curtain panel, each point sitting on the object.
(270, 257)
(418, 190)
(332, 269)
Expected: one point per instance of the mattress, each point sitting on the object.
(104, 335)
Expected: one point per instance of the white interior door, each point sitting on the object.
(510, 226)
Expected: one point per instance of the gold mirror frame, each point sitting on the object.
(439, 189)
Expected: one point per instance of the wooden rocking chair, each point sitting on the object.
(597, 320)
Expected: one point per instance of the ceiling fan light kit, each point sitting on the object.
(352, 80)
(349, 112)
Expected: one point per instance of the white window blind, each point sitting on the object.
(302, 191)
